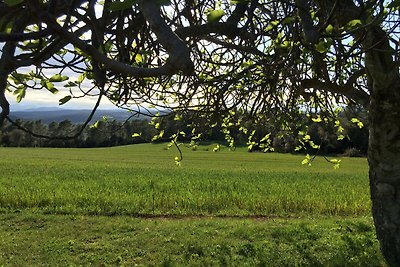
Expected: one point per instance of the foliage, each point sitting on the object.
(212, 58)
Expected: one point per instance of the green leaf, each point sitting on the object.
(50, 86)
(215, 15)
(94, 125)
(178, 161)
(352, 24)
(358, 122)
(64, 100)
(235, 2)
(81, 78)
(136, 135)
(313, 145)
(20, 92)
(217, 148)
(329, 29)
(139, 58)
(335, 161)
(317, 119)
(118, 6)
(321, 47)
(307, 160)
(70, 84)
(9, 27)
(272, 25)
(13, 2)
(286, 44)
(58, 78)
(265, 138)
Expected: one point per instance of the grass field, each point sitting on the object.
(132, 205)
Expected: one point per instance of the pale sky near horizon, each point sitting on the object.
(45, 99)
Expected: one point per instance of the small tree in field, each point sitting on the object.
(220, 60)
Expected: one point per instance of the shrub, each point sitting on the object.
(353, 152)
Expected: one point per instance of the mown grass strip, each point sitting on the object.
(54, 240)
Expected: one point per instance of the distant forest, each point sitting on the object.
(106, 133)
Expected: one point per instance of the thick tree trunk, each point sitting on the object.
(384, 143)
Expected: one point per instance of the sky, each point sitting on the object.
(43, 99)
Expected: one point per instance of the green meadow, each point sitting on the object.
(132, 205)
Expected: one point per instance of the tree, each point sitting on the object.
(268, 59)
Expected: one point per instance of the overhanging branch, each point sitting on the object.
(172, 66)
(350, 92)
(220, 28)
(17, 37)
(179, 54)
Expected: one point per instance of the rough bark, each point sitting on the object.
(384, 143)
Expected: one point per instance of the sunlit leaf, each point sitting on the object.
(139, 58)
(235, 2)
(50, 86)
(353, 24)
(20, 93)
(340, 137)
(94, 125)
(329, 29)
(306, 160)
(272, 25)
(317, 119)
(81, 78)
(58, 78)
(358, 122)
(215, 15)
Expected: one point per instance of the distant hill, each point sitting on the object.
(49, 115)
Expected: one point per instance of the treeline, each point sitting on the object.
(353, 140)
(105, 133)
(101, 134)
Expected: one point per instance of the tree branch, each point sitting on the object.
(169, 68)
(350, 92)
(176, 47)
(6, 67)
(216, 27)
(311, 33)
(17, 37)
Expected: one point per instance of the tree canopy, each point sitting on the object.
(220, 60)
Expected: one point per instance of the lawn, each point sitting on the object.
(131, 205)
